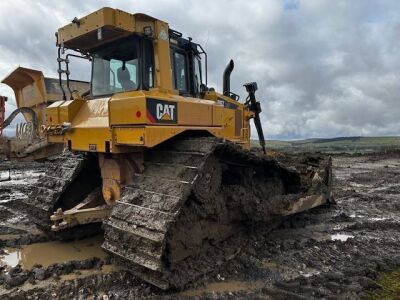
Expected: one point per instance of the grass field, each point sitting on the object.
(339, 144)
(390, 286)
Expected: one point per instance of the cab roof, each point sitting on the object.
(106, 25)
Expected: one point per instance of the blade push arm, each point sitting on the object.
(255, 107)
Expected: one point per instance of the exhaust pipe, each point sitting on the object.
(226, 83)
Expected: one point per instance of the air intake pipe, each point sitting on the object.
(226, 83)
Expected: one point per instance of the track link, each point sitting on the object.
(137, 230)
(194, 194)
(67, 180)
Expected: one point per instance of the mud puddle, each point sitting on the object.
(5, 237)
(106, 269)
(288, 272)
(230, 286)
(317, 233)
(52, 252)
(64, 286)
(5, 175)
(19, 177)
(343, 237)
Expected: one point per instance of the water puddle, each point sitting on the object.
(270, 265)
(106, 269)
(378, 219)
(19, 178)
(52, 252)
(15, 195)
(309, 272)
(5, 175)
(388, 188)
(6, 237)
(357, 185)
(9, 258)
(224, 287)
(341, 237)
(289, 273)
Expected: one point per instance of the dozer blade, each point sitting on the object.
(194, 194)
(92, 209)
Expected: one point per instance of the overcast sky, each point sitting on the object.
(324, 68)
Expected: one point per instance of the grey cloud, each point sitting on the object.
(324, 68)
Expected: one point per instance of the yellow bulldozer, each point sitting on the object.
(158, 158)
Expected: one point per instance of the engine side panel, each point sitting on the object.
(143, 119)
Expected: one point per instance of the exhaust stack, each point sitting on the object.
(226, 83)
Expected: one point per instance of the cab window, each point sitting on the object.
(179, 71)
(116, 68)
(148, 64)
(197, 75)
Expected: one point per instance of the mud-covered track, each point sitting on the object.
(68, 179)
(138, 228)
(194, 194)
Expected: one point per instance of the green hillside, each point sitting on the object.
(339, 144)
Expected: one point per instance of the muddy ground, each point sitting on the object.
(332, 252)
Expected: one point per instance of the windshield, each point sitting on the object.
(115, 68)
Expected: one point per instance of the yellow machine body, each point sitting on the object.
(144, 118)
(124, 120)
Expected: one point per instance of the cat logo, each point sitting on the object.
(160, 111)
(165, 112)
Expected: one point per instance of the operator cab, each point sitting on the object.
(186, 65)
(122, 66)
(128, 65)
